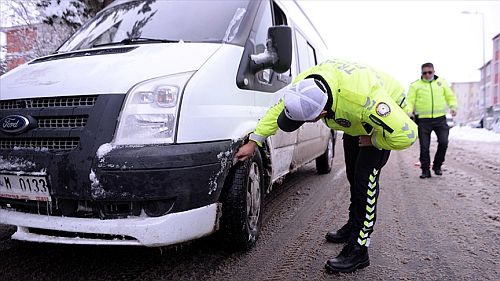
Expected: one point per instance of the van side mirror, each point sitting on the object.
(278, 53)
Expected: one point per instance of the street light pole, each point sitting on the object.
(483, 71)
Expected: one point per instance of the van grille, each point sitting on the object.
(75, 208)
(80, 235)
(50, 144)
(62, 122)
(62, 138)
(49, 102)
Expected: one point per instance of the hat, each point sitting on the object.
(304, 101)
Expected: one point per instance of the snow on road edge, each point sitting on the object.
(473, 134)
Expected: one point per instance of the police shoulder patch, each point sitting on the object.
(343, 122)
(383, 109)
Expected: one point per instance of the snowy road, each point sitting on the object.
(443, 228)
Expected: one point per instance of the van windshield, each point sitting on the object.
(157, 21)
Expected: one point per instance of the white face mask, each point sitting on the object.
(430, 79)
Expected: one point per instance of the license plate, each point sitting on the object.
(28, 187)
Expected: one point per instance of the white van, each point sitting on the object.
(126, 135)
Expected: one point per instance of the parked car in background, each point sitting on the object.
(126, 135)
(488, 122)
(496, 125)
(475, 124)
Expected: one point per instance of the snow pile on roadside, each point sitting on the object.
(473, 134)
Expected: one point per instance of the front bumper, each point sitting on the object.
(126, 180)
(192, 174)
(151, 232)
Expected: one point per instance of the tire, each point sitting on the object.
(6, 231)
(324, 161)
(242, 207)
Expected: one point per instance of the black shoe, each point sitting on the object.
(438, 171)
(425, 174)
(352, 257)
(339, 236)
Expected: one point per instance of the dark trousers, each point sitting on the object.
(425, 128)
(363, 165)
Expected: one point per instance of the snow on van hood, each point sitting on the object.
(103, 74)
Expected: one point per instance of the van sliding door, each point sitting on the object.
(312, 136)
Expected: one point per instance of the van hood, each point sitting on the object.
(110, 73)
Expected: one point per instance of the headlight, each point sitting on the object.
(149, 115)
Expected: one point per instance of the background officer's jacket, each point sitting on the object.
(429, 99)
(365, 102)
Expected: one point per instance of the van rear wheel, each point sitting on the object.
(242, 204)
(324, 161)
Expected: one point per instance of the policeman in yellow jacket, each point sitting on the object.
(427, 99)
(367, 105)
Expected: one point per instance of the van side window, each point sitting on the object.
(280, 19)
(263, 76)
(293, 66)
(266, 80)
(279, 16)
(306, 52)
(260, 38)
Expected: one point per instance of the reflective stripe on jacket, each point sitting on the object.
(429, 99)
(365, 102)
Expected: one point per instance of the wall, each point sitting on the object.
(20, 40)
(469, 101)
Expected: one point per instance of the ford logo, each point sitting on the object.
(13, 124)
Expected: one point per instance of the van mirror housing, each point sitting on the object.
(278, 53)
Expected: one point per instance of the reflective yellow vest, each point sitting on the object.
(429, 99)
(365, 102)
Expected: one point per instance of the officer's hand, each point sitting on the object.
(245, 151)
(321, 115)
(365, 141)
(453, 113)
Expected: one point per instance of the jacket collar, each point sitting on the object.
(331, 99)
(435, 78)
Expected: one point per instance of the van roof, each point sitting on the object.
(306, 17)
(294, 10)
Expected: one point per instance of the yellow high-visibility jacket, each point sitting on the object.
(365, 102)
(429, 99)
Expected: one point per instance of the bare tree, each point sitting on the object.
(28, 37)
(3, 66)
(72, 13)
(39, 27)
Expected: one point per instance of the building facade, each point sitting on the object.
(27, 42)
(20, 40)
(469, 102)
(485, 86)
(495, 76)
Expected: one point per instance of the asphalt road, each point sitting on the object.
(443, 228)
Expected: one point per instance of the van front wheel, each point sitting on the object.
(242, 204)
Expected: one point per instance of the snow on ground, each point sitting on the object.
(473, 134)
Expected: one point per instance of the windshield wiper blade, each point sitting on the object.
(139, 40)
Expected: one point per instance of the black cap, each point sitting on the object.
(286, 124)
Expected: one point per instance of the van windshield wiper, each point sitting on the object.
(139, 40)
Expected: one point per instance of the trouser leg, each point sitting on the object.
(351, 151)
(366, 189)
(424, 138)
(442, 131)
